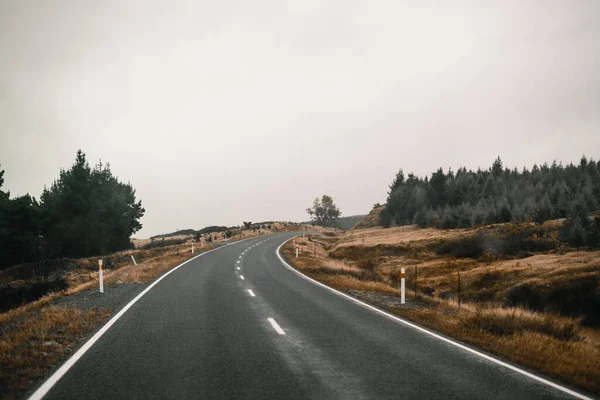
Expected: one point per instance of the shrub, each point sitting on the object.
(468, 247)
(575, 298)
(368, 262)
(12, 297)
(508, 241)
(502, 322)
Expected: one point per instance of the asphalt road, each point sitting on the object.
(209, 330)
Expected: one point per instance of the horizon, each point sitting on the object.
(219, 113)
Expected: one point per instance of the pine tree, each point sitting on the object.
(397, 182)
(497, 168)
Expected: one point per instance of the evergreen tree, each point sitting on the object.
(493, 195)
(89, 212)
(497, 168)
(397, 182)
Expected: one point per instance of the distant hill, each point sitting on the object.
(349, 222)
(191, 232)
(181, 232)
(371, 220)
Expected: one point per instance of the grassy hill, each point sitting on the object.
(371, 220)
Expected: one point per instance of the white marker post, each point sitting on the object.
(402, 278)
(296, 251)
(192, 247)
(134, 263)
(101, 276)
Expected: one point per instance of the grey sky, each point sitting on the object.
(224, 111)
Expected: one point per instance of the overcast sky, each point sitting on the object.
(224, 111)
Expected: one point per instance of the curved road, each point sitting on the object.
(211, 330)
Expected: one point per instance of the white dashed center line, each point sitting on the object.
(242, 277)
(251, 293)
(276, 326)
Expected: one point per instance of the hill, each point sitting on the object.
(349, 222)
(371, 220)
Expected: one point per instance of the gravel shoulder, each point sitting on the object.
(113, 299)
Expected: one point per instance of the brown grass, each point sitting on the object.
(332, 272)
(30, 347)
(401, 234)
(36, 336)
(547, 343)
(556, 345)
(371, 220)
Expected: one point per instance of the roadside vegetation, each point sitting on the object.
(538, 309)
(36, 335)
(505, 260)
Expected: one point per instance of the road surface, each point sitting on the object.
(237, 323)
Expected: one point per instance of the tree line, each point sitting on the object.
(85, 212)
(466, 198)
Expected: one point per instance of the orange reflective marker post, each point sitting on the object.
(402, 285)
(101, 276)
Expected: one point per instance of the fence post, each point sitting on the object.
(402, 287)
(101, 276)
(134, 263)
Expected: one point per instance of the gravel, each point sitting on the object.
(114, 297)
(386, 301)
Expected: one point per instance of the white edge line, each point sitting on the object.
(276, 326)
(251, 293)
(430, 333)
(56, 376)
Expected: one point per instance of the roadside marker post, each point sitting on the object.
(134, 263)
(402, 279)
(101, 276)
(192, 247)
(296, 251)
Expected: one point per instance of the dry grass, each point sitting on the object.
(371, 220)
(347, 283)
(547, 343)
(30, 347)
(36, 336)
(398, 235)
(556, 345)
(144, 272)
(332, 272)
